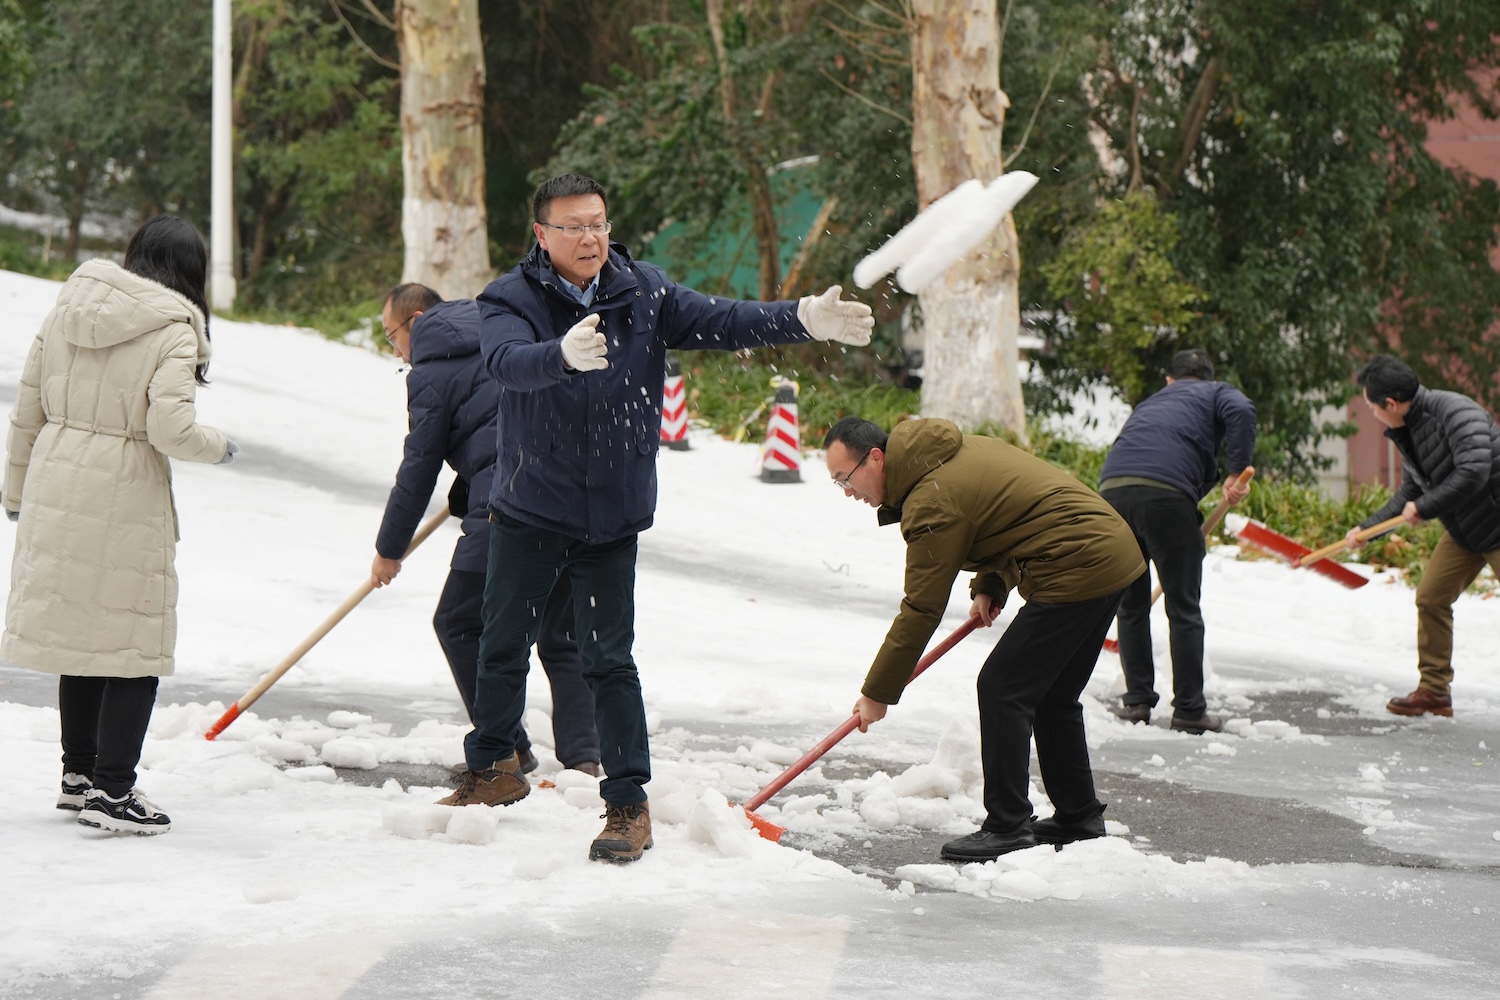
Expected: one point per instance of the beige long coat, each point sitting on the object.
(105, 398)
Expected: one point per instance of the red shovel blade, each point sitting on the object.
(1274, 543)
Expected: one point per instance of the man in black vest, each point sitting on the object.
(1450, 457)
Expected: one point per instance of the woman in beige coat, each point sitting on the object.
(106, 398)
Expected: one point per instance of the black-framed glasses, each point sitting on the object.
(576, 230)
(389, 333)
(843, 484)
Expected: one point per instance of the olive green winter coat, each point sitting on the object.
(105, 398)
(977, 503)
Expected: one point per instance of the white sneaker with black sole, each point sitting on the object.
(74, 788)
(133, 813)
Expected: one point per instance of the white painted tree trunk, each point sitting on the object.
(971, 317)
(443, 219)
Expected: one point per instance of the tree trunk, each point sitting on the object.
(762, 205)
(443, 220)
(971, 317)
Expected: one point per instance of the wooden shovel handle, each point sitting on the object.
(1363, 536)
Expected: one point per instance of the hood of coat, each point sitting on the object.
(914, 449)
(103, 304)
(447, 330)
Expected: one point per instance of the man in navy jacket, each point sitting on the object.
(451, 406)
(1450, 470)
(577, 336)
(1166, 459)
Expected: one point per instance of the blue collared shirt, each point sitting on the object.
(585, 296)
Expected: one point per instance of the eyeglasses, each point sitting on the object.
(576, 231)
(389, 333)
(843, 484)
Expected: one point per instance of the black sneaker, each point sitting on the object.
(1061, 831)
(1204, 723)
(982, 845)
(131, 814)
(74, 787)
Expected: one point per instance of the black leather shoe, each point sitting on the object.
(1065, 831)
(1131, 713)
(1204, 723)
(982, 845)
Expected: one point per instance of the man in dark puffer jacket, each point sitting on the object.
(1450, 453)
(452, 404)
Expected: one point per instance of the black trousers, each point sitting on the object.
(527, 564)
(104, 723)
(1168, 527)
(459, 622)
(1029, 686)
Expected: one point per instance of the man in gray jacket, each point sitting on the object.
(1450, 470)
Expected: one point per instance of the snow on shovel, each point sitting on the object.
(944, 232)
(317, 634)
(1212, 522)
(770, 830)
(1274, 543)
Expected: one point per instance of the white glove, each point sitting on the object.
(229, 453)
(828, 318)
(583, 347)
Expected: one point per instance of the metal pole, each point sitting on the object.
(221, 268)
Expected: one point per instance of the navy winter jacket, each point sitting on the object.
(451, 403)
(578, 449)
(1450, 451)
(1174, 436)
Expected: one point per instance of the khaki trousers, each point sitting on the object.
(1450, 570)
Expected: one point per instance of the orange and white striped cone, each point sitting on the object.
(781, 462)
(674, 410)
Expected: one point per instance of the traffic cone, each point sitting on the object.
(781, 462)
(674, 409)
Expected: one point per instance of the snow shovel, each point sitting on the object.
(1274, 543)
(318, 633)
(770, 830)
(1363, 536)
(1214, 517)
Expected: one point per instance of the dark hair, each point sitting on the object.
(168, 251)
(564, 186)
(857, 434)
(409, 299)
(1192, 363)
(1384, 377)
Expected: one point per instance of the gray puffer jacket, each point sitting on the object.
(1450, 450)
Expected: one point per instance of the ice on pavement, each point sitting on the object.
(764, 630)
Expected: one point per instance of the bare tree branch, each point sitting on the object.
(1037, 107)
(379, 16)
(382, 60)
(1194, 119)
(865, 100)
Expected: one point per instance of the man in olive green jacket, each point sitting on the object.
(977, 503)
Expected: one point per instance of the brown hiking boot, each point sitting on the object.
(627, 832)
(1420, 702)
(500, 784)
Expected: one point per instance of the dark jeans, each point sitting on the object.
(526, 564)
(1168, 527)
(104, 723)
(459, 620)
(1029, 686)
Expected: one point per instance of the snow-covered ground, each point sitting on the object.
(759, 608)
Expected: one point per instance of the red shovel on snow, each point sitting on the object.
(770, 830)
(1258, 536)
